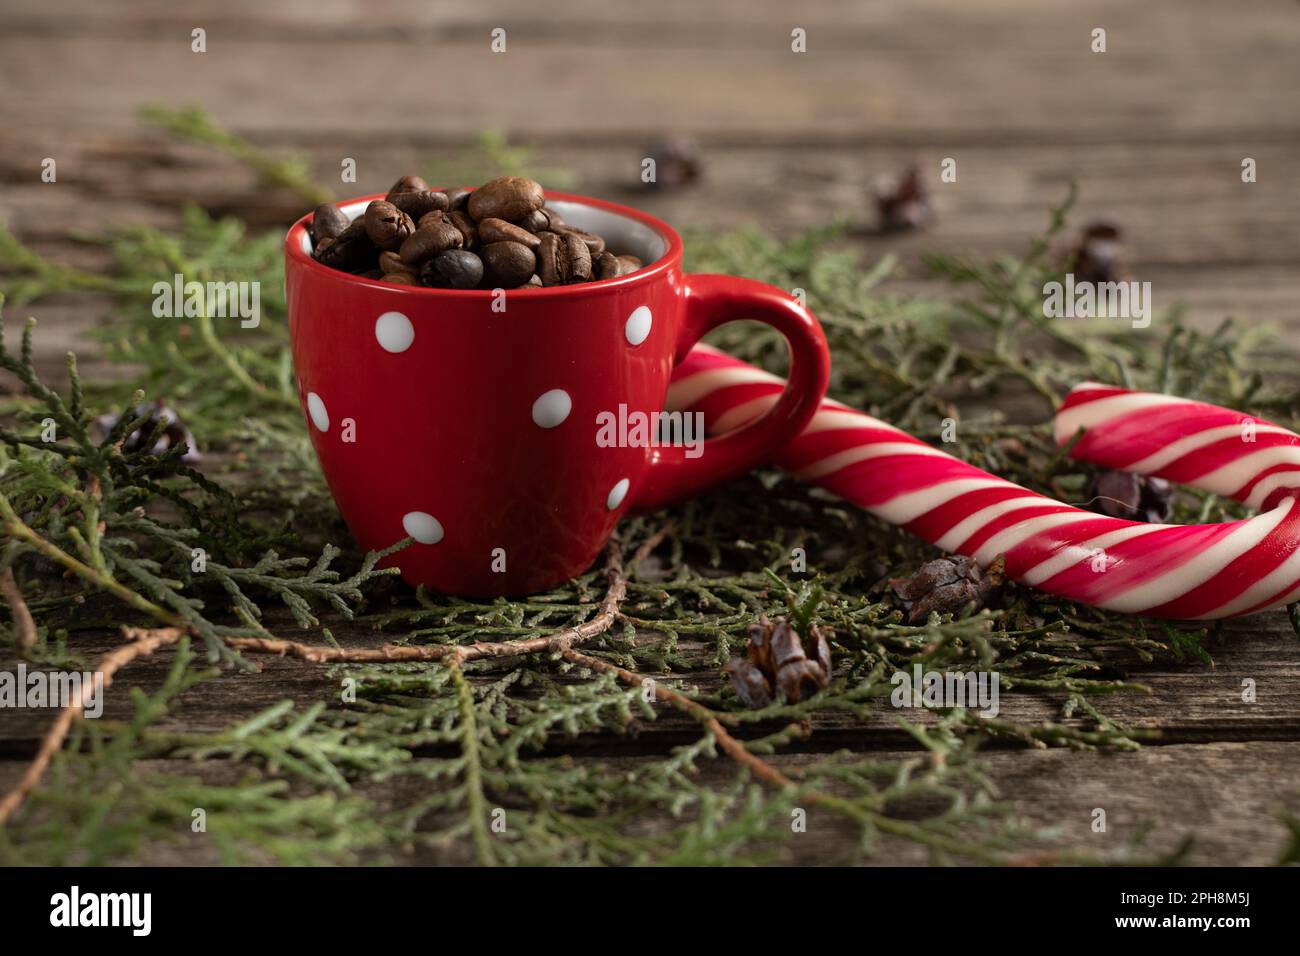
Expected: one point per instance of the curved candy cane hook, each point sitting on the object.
(1204, 571)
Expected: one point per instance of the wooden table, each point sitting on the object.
(1155, 130)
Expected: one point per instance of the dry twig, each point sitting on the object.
(462, 653)
(24, 626)
(143, 642)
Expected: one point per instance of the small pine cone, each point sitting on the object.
(1097, 256)
(173, 432)
(749, 682)
(780, 662)
(905, 204)
(948, 586)
(677, 163)
(1122, 494)
(799, 679)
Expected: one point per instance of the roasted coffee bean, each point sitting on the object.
(502, 233)
(604, 266)
(507, 265)
(579, 258)
(453, 269)
(457, 198)
(429, 241)
(417, 204)
(351, 250)
(541, 220)
(468, 231)
(535, 222)
(498, 230)
(508, 197)
(407, 184)
(548, 259)
(595, 244)
(327, 222)
(609, 266)
(392, 262)
(386, 225)
(563, 259)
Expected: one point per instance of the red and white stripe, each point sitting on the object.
(1173, 571)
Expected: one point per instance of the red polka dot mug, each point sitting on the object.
(491, 426)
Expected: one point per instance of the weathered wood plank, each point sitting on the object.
(1226, 795)
(1193, 702)
(943, 71)
(1180, 207)
(1203, 238)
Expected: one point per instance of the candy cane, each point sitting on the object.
(1204, 571)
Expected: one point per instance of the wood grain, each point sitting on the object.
(1227, 796)
(1189, 703)
(939, 71)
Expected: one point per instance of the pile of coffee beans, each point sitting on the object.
(498, 236)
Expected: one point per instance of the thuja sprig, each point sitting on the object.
(493, 155)
(300, 583)
(101, 808)
(196, 125)
(35, 276)
(85, 495)
(217, 373)
(283, 739)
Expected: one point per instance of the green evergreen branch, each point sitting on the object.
(195, 125)
(16, 528)
(491, 156)
(469, 736)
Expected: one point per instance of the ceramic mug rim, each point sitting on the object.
(670, 260)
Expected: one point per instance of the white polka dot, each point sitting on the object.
(316, 409)
(394, 332)
(552, 407)
(638, 325)
(617, 494)
(422, 526)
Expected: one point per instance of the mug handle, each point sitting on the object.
(711, 301)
